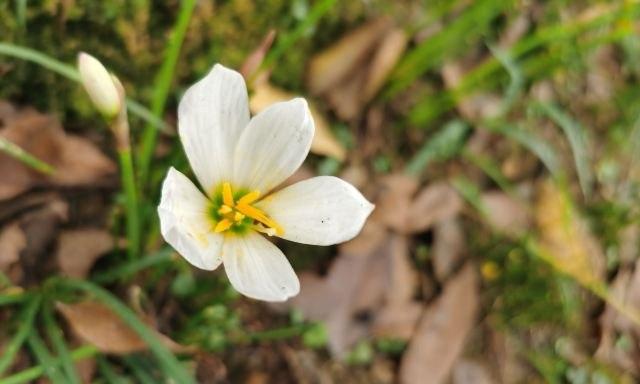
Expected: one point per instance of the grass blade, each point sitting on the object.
(578, 141)
(162, 86)
(444, 144)
(27, 159)
(45, 359)
(31, 374)
(25, 321)
(56, 338)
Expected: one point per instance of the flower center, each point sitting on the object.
(234, 212)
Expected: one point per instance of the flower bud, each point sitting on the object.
(99, 84)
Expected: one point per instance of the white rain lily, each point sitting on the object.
(239, 161)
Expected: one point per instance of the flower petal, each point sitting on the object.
(258, 269)
(211, 116)
(184, 224)
(273, 146)
(323, 210)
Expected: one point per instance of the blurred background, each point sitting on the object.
(499, 140)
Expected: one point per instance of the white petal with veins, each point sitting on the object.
(211, 116)
(323, 210)
(184, 223)
(273, 146)
(258, 269)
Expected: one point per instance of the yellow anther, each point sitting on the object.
(259, 216)
(227, 195)
(225, 209)
(249, 197)
(238, 216)
(222, 225)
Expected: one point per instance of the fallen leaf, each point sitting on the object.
(98, 325)
(345, 99)
(324, 142)
(76, 160)
(397, 321)
(505, 213)
(79, 249)
(12, 242)
(333, 65)
(394, 200)
(436, 202)
(565, 236)
(371, 274)
(442, 331)
(254, 60)
(469, 371)
(448, 247)
(387, 54)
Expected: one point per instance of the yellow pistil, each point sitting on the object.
(233, 212)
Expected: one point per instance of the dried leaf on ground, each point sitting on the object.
(436, 202)
(384, 60)
(505, 213)
(324, 142)
(442, 332)
(333, 65)
(98, 325)
(79, 249)
(448, 247)
(393, 203)
(566, 238)
(12, 242)
(370, 275)
(254, 60)
(469, 371)
(76, 160)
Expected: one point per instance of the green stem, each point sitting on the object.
(131, 202)
(31, 374)
(167, 360)
(162, 86)
(25, 321)
(20, 154)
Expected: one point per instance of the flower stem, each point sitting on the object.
(131, 201)
(20, 154)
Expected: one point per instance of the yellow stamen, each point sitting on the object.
(249, 198)
(223, 225)
(258, 215)
(238, 216)
(262, 229)
(227, 195)
(225, 209)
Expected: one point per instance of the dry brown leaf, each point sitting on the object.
(442, 331)
(469, 371)
(324, 142)
(12, 242)
(76, 160)
(393, 202)
(436, 202)
(505, 213)
(98, 325)
(336, 63)
(79, 249)
(384, 60)
(397, 321)
(371, 273)
(566, 238)
(448, 247)
(345, 99)
(254, 60)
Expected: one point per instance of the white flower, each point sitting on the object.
(238, 162)
(100, 85)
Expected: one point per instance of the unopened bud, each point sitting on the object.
(100, 86)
